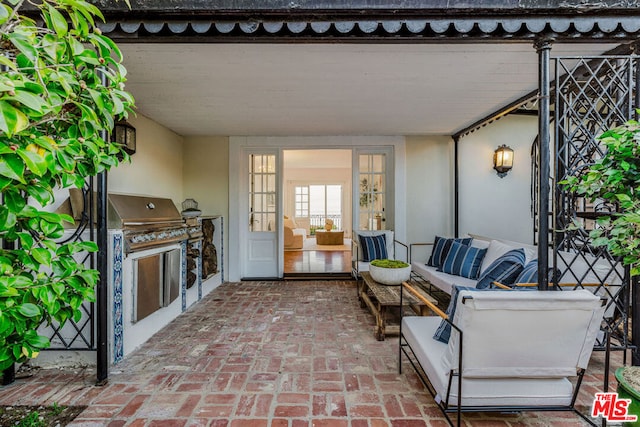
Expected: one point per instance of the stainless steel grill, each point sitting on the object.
(150, 223)
(147, 222)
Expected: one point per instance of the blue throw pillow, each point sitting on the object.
(373, 247)
(529, 273)
(441, 248)
(505, 269)
(443, 332)
(463, 260)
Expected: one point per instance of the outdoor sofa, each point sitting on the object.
(512, 263)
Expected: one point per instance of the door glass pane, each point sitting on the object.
(262, 193)
(372, 192)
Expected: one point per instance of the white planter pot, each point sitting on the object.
(390, 276)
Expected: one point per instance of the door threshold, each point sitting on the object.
(318, 276)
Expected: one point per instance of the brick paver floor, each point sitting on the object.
(266, 354)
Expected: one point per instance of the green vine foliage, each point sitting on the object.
(615, 178)
(53, 107)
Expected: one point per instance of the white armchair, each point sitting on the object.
(357, 257)
(498, 369)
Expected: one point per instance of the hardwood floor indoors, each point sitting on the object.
(317, 263)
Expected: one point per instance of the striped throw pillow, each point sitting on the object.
(441, 248)
(443, 332)
(373, 247)
(529, 273)
(463, 260)
(505, 269)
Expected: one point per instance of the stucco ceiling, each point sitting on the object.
(330, 89)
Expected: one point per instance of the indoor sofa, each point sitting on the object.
(294, 236)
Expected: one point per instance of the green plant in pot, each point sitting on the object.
(615, 179)
(61, 87)
(389, 272)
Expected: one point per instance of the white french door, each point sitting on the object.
(262, 222)
(373, 177)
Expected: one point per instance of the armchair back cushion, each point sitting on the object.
(560, 330)
(373, 247)
(388, 238)
(290, 223)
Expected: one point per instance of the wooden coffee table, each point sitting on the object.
(379, 297)
(330, 237)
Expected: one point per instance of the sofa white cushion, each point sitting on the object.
(587, 269)
(440, 279)
(482, 244)
(497, 248)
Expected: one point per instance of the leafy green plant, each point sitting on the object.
(615, 178)
(54, 107)
(368, 192)
(32, 419)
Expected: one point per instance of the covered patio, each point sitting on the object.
(268, 354)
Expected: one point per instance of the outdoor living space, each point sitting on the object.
(399, 116)
(268, 354)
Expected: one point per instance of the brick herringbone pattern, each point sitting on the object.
(266, 354)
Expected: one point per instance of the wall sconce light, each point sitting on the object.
(125, 135)
(503, 160)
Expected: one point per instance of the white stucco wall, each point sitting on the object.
(206, 177)
(206, 173)
(490, 205)
(429, 189)
(156, 167)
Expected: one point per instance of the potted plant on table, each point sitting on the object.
(389, 272)
(615, 179)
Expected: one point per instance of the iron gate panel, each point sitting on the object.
(592, 94)
(79, 335)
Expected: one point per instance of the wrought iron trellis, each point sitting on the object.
(591, 95)
(80, 335)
